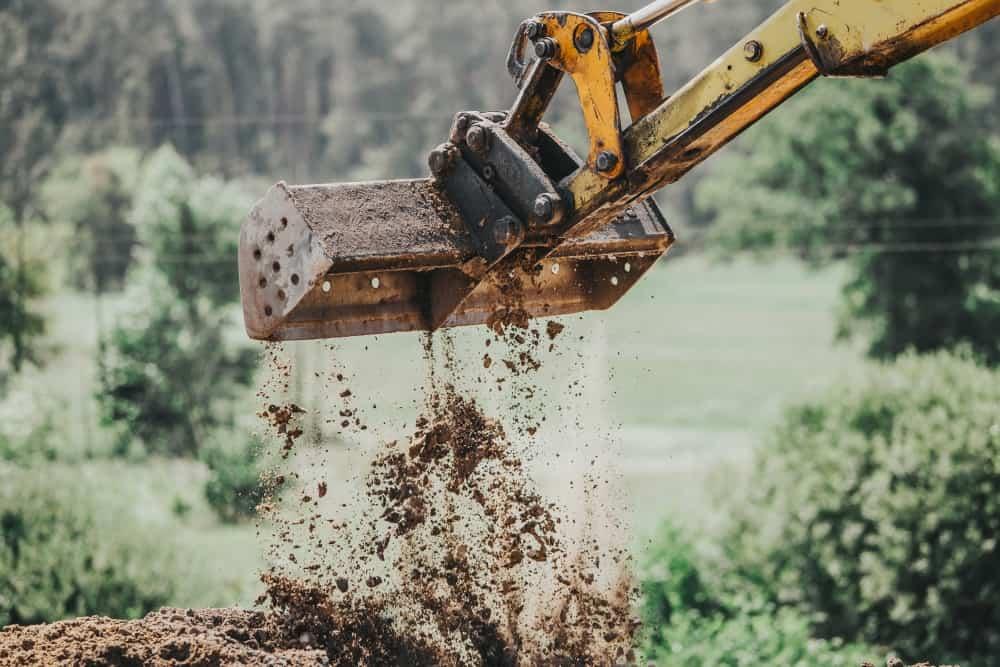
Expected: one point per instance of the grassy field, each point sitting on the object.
(670, 387)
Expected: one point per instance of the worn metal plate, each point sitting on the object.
(369, 258)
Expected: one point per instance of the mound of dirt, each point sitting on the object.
(165, 637)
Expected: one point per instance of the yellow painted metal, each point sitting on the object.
(851, 37)
(593, 72)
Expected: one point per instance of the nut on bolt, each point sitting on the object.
(546, 207)
(546, 49)
(606, 161)
(478, 138)
(753, 50)
(507, 231)
(534, 30)
(441, 160)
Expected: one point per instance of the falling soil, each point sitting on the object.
(450, 554)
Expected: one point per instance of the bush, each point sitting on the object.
(750, 639)
(27, 429)
(58, 560)
(672, 582)
(170, 371)
(234, 489)
(689, 621)
(876, 510)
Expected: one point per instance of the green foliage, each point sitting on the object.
(93, 194)
(903, 176)
(751, 639)
(59, 560)
(690, 622)
(169, 371)
(20, 284)
(672, 582)
(33, 105)
(27, 429)
(234, 489)
(875, 510)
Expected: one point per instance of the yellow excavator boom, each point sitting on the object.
(513, 224)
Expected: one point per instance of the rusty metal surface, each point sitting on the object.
(593, 72)
(379, 287)
(279, 262)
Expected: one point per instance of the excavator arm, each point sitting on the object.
(513, 223)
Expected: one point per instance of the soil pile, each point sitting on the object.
(165, 637)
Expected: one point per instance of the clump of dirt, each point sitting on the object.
(280, 418)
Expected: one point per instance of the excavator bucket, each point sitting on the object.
(327, 261)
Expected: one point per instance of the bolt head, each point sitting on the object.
(462, 123)
(822, 31)
(546, 49)
(545, 208)
(478, 138)
(753, 50)
(606, 161)
(440, 160)
(534, 30)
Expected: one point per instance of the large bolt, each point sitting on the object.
(534, 30)
(441, 159)
(478, 138)
(507, 231)
(753, 50)
(546, 49)
(606, 161)
(822, 31)
(584, 39)
(545, 207)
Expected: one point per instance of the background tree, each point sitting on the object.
(169, 371)
(875, 509)
(93, 195)
(903, 177)
(20, 285)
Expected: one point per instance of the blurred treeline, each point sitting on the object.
(134, 134)
(301, 89)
